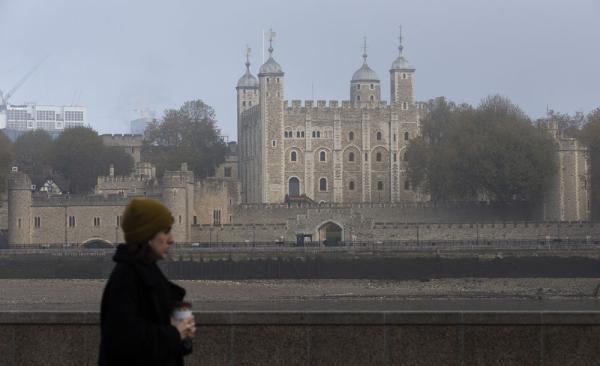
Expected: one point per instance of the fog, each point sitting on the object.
(115, 57)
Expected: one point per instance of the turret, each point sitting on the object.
(178, 196)
(402, 77)
(19, 208)
(270, 78)
(247, 88)
(365, 86)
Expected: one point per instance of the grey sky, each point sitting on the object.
(116, 56)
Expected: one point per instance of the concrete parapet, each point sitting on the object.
(322, 337)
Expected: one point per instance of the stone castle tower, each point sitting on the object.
(346, 152)
(19, 208)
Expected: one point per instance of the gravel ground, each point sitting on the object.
(50, 295)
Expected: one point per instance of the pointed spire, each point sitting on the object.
(271, 36)
(400, 48)
(248, 50)
(365, 50)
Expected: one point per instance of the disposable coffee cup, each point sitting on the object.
(182, 311)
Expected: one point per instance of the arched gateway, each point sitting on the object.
(330, 233)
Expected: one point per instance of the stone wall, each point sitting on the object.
(4, 214)
(329, 338)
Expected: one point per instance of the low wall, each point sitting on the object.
(329, 338)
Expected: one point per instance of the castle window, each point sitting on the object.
(372, 98)
(37, 222)
(268, 80)
(71, 221)
(378, 136)
(19, 222)
(322, 184)
(195, 220)
(297, 134)
(395, 157)
(372, 86)
(322, 156)
(314, 134)
(378, 156)
(351, 185)
(277, 80)
(358, 98)
(380, 186)
(318, 134)
(351, 136)
(405, 157)
(180, 219)
(118, 221)
(406, 136)
(244, 103)
(293, 156)
(274, 143)
(227, 172)
(302, 134)
(351, 156)
(216, 217)
(403, 76)
(358, 87)
(404, 105)
(366, 156)
(406, 185)
(96, 221)
(394, 137)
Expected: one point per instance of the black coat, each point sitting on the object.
(135, 317)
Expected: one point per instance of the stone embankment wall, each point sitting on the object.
(325, 338)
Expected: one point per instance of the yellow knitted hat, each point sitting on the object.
(143, 218)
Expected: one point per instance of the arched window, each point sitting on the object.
(318, 134)
(406, 185)
(395, 157)
(358, 87)
(322, 156)
(293, 156)
(406, 136)
(380, 186)
(302, 134)
(378, 156)
(351, 156)
(350, 135)
(372, 98)
(297, 134)
(404, 105)
(372, 86)
(378, 136)
(322, 184)
(351, 185)
(366, 156)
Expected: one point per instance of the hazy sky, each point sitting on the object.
(118, 56)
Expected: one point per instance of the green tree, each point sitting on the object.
(188, 134)
(115, 155)
(32, 155)
(77, 155)
(492, 152)
(6, 147)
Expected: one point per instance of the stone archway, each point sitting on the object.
(294, 187)
(97, 243)
(330, 233)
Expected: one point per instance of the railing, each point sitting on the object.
(539, 245)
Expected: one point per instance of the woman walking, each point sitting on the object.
(137, 326)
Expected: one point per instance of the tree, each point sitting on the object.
(188, 134)
(590, 135)
(492, 152)
(5, 159)
(115, 155)
(77, 155)
(32, 155)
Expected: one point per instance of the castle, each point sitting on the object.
(346, 152)
(346, 160)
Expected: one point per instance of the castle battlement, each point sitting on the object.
(299, 105)
(123, 179)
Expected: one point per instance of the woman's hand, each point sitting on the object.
(185, 327)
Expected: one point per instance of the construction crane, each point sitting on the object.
(4, 98)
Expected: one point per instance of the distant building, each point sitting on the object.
(138, 126)
(53, 119)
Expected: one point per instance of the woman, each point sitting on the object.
(135, 316)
